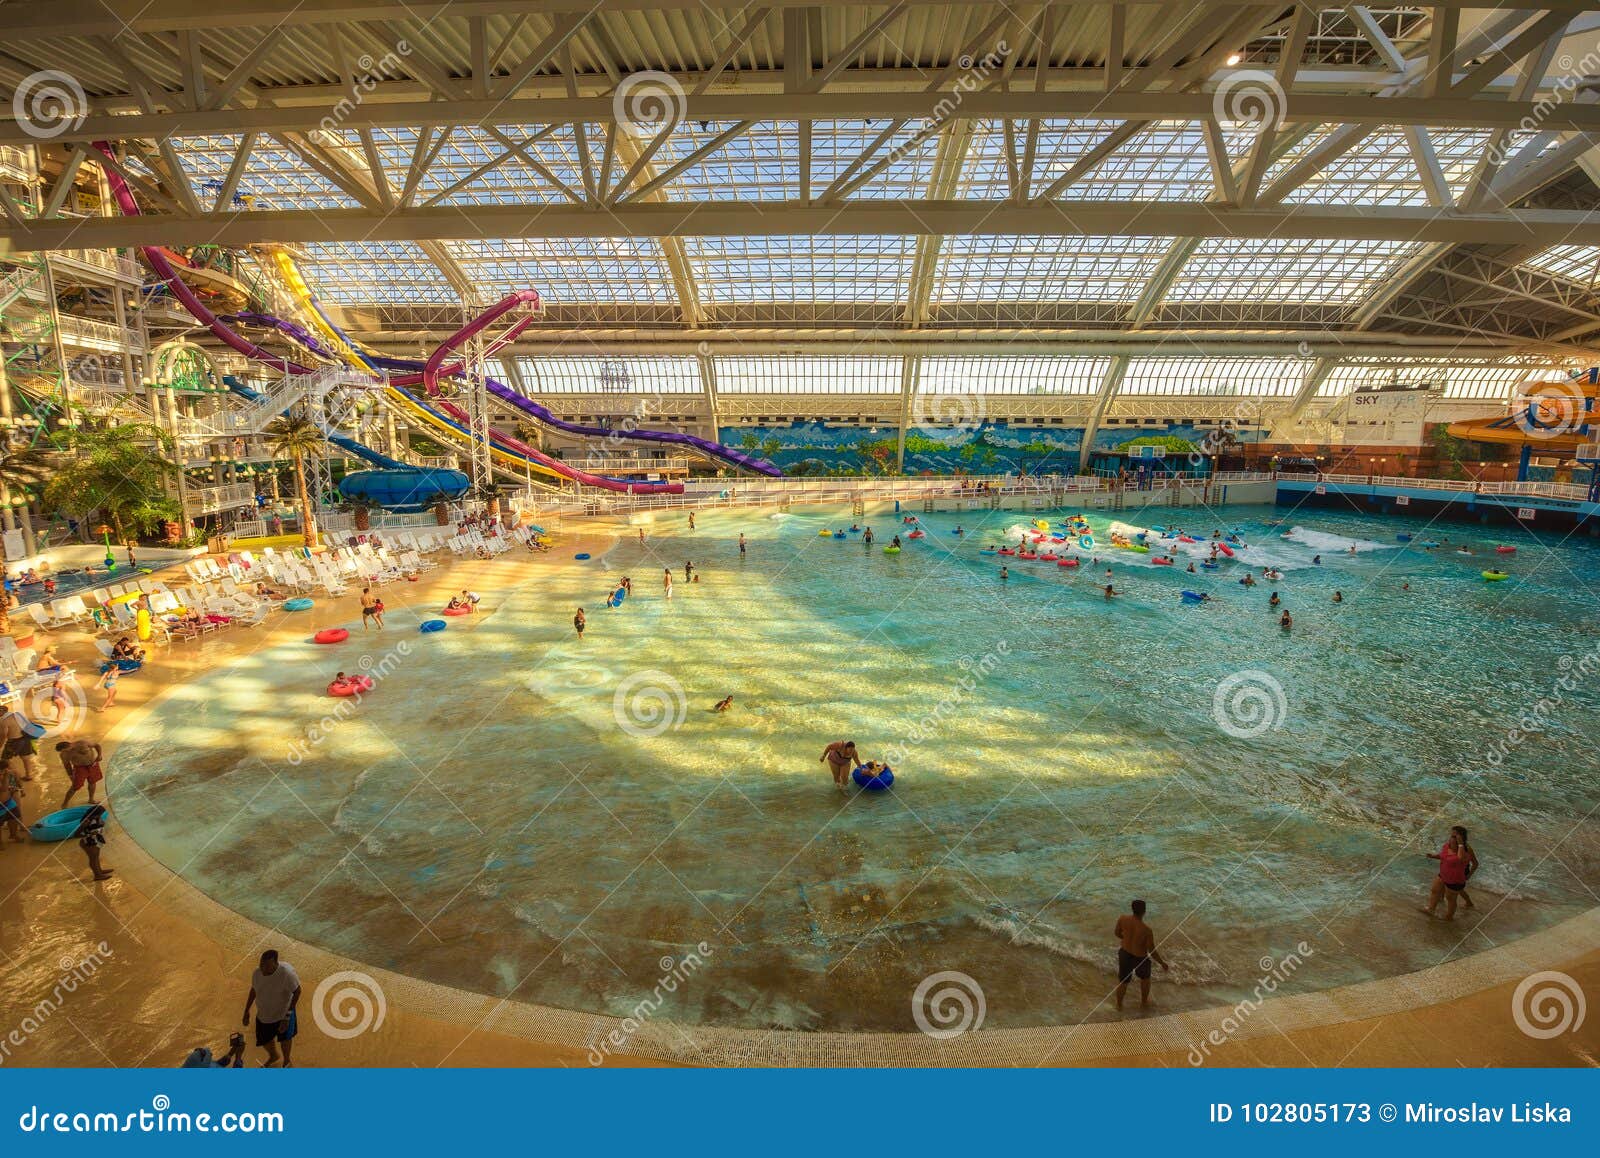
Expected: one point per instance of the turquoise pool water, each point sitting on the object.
(515, 812)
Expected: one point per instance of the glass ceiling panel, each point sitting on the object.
(374, 273)
(1576, 262)
(466, 148)
(761, 164)
(1215, 377)
(1165, 161)
(1273, 270)
(1053, 375)
(835, 146)
(576, 269)
(1486, 380)
(801, 269)
(274, 178)
(806, 374)
(1381, 170)
(657, 374)
(1046, 268)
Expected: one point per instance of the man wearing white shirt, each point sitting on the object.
(274, 991)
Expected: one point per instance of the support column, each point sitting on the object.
(909, 366)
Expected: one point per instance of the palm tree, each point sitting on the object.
(294, 437)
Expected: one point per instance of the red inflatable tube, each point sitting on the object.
(331, 635)
(456, 611)
(353, 685)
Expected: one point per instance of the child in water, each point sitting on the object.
(723, 705)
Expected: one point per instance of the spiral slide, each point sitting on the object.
(297, 285)
(168, 274)
(450, 420)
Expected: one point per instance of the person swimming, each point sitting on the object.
(1110, 591)
(1274, 601)
(1248, 581)
(959, 531)
(1338, 597)
(1286, 621)
(1004, 574)
(1191, 568)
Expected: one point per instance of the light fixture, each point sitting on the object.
(1234, 58)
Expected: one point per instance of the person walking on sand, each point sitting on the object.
(688, 571)
(691, 520)
(579, 622)
(274, 991)
(641, 536)
(369, 608)
(91, 834)
(841, 756)
(108, 682)
(80, 759)
(666, 581)
(1136, 948)
(1457, 863)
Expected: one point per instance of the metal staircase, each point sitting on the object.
(30, 339)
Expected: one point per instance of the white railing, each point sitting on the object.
(14, 161)
(1529, 489)
(108, 260)
(603, 464)
(97, 335)
(211, 500)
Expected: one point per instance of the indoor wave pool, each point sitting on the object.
(519, 813)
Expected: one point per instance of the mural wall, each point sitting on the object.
(821, 448)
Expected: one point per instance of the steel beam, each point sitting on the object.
(850, 218)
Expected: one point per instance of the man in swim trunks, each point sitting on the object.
(691, 520)
(1136, 948)
(741, 542)
(19, 745)
(369, 608)
(81, 761)
(841, 756)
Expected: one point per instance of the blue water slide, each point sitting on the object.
(393, 485)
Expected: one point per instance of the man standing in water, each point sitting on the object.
(741, 542)
(841, 756)
(1136, 948)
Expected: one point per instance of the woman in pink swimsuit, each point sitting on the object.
(1457, 862)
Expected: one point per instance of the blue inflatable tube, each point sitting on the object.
(1193, 597)
(1086, 542)
(59, 825)
(878, 783)
(429, 626)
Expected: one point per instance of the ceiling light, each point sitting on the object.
(1234, 59)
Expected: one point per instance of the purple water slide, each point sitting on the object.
(435, 366)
